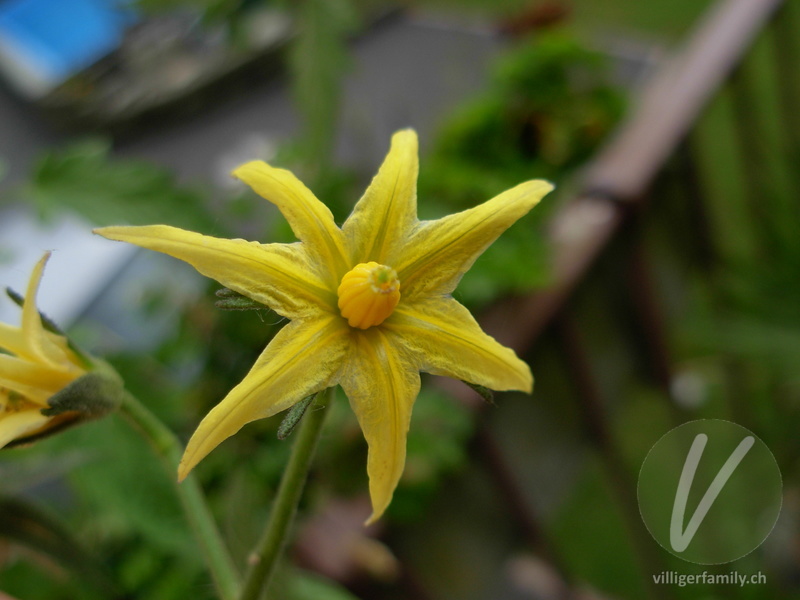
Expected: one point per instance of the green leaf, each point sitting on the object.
(28, 526)
(84, 177)
(318, 58)
(123, 490)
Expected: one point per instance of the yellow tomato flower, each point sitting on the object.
(369, 304)
(35, 365)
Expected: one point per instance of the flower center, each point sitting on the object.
(368, 294)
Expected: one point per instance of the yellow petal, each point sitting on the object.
(311, 221)
(18, 424)
(280, 276)
(386, 213)
(31, 320)
(440, 252)
(301, 359)
(13, 340)
(36, 381)
(381, 384)
(37, 345)
(445, 340)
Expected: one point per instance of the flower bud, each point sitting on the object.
(46, 384)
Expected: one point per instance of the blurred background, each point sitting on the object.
(657, 286)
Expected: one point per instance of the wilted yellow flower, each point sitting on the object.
(369, 304)
(35, 365)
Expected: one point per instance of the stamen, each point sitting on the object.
(368, 294)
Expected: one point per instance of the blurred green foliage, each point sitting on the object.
(84, 178)
(120, 499)
(549, 105)
(735, 332)
(318, 59)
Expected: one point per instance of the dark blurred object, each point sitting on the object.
(535, 17)
(335, 544)
(94, 64)
(550, 104)
(44, 42)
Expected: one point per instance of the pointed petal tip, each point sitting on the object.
(241, 171)
(29, 311)
(255, 172)
(541, 187)
(112, 232)
(377, 513)
(133, 233)
(193, 453)
(406, 138)
(183, 471)
(526, 380)
(190, 459)
(38, 269)
(529, 389)
(406, 132)
(548, 184)
(518, 379)
(36, 277)
(527, 194)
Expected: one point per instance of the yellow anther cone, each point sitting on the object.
(368, 294)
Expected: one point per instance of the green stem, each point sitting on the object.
(194, 504)
(270, 546)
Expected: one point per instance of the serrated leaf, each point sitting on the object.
(85, 178)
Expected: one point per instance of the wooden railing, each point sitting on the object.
(624, 171)
(612, 201)
(654, 140)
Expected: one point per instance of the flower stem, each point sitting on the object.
(166, 444)
(270, 546)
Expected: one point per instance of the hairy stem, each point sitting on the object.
(166, 444)
(273, 540)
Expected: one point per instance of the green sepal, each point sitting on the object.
(482, 391)
(292, 418)
(50, 325)
(231, 300)
(91, 396)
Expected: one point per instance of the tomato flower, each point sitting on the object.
(45, 384)
(369, 304)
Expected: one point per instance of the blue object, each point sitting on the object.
(56, 38)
